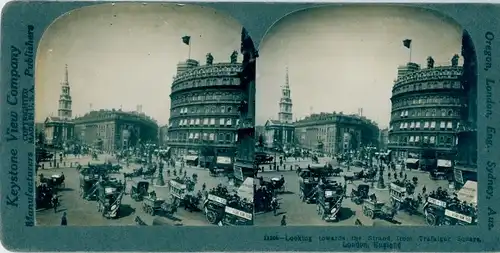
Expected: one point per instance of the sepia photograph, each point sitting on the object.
(366, 116)
(143, 117)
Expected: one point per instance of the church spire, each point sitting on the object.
(65, 112)
(287, 84)
(66, 75)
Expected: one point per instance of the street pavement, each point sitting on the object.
(299, 213)
(81, 212)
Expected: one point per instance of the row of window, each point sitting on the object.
(205, 96)
(447, 140)
(424, 100)
(206, 82)
(208, 136)
(425, 125)
(202, 109)
(428, 85)
(204, 122)
(426, 112)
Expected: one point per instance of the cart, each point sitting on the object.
(330, 202)
(139, 190)
(374, 209)
(359, 195)
(152, 205)
(398, 195)
(57, 181)
(214, 207)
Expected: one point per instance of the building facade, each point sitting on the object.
(163, 135)
(204, 107)
(383, 139)
(112, 130)
(59, 130)
(427, 107)
(335, 133)
(280, 133)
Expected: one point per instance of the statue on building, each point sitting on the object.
(430, 62)
(454, 60)
(210, 59)
(234, 57)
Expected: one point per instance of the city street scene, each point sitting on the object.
(159, 135)
(362, 126)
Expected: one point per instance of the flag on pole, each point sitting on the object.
(407, 43)
(186, 40)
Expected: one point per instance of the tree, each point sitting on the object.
(261, 141)
(40, 138)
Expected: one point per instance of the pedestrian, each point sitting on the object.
(64, 220)
(283, 221)
(389, 175)
(55, 202)
(424, 190)
(400, 174)
(406, 177)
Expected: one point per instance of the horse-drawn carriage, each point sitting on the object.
(307, 188)
(152, 205)
(329, 202)
(366, 176)
(375, 209)
(400, 197)
(88, 186)
(109, 199)
(139, 191)
(44, 195)
(442, 209)
(214, 207)
(217, 172)
(55, 181)
(360, 194)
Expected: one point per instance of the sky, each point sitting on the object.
(345, 58)
(124, 55)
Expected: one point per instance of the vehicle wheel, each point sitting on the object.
(430, 219)
(364, 212)
(370, 214)
(211, 216)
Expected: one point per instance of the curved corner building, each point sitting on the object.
(204, 107)
(427, 107)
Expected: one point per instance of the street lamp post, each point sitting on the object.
(160, 181)
(380, 183)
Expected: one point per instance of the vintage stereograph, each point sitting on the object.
(162, 126)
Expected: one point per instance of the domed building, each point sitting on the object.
(204, 108)
(427, 105)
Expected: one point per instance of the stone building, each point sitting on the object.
(335, 133)
(163, 135)
(427, 105)
(111, 130)
(204, 107)
(280, 133)
(383, 139)
(59, 130)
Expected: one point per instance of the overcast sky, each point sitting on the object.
(344, 58)
(126, 55)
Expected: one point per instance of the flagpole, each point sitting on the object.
(189, 54)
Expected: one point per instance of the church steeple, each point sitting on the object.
(65, 111)
(285, 115)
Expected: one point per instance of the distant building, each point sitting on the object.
(163, 136)
(383, 139)
(260, 131)
(59, 130)
(427, 107)
(111, 130)
(280, 133)
(204, 107)
(335, 133)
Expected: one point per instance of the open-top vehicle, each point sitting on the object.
(307, 186)
(442, 209)
(138, 191)
(359, 195)
(152, 205)
(88, 185)
(375, 209)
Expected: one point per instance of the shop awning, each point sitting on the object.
(444, 163)
(468, 193)
(223, 160)
(411, 160)
(190, 158)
